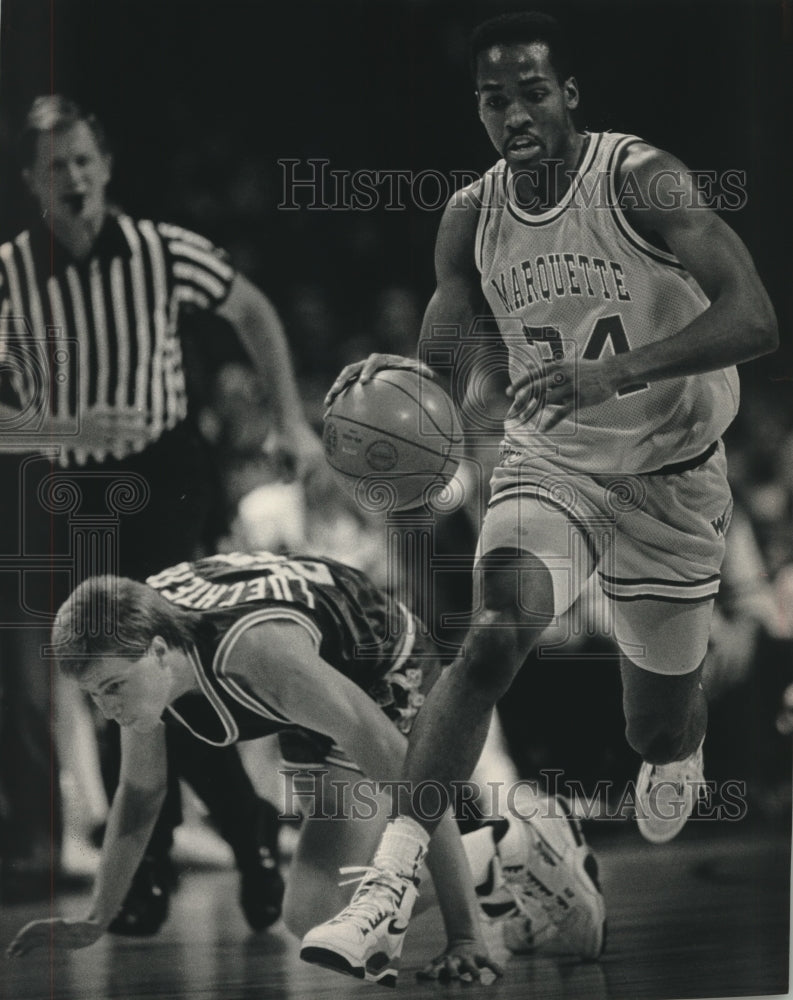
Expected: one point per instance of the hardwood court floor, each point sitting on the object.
(705, 916)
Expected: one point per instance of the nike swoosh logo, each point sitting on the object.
(394, 927)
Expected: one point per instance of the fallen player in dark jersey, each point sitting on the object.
(240, 646)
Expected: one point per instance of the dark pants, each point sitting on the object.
(30, 815)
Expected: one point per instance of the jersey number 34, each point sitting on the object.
(607, 332)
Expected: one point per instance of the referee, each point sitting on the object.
(90, 353)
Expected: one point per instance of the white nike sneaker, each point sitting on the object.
(551, 876)
(666, 795)
(365, 940)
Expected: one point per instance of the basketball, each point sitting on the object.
(394, 441)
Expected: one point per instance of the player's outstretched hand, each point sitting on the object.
(57, 932)
(465, 960)
(362, 371)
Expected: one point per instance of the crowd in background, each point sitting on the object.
(350, 282)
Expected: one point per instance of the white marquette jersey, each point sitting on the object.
(578, 278)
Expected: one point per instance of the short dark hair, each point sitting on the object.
(523, 27)
(54, 113)
(114, 616)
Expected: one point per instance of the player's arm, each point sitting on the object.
(294, 445)
(278, 662)
(134, 811)
(738, 325)
(136, 805)
(456, 302)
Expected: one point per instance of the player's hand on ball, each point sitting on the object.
(465, 960)
(362, 371)
(57, 932)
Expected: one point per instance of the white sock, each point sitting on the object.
(403, 847)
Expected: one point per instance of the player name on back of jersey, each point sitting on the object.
(197, 585)
(559, 275)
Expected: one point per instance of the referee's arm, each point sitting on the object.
(262, 334)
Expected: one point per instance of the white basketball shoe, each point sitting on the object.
(365, 939)
(666, 795)
(548, 899)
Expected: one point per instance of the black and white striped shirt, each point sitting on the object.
(100, 335)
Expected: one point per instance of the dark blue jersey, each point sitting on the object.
(369, 638)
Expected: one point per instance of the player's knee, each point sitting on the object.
(495, 650)
(298, 914)
(516, 606)
(517, 588)
(312, 896)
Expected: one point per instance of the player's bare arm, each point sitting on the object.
(738, 325)
(294, 445)
(279, 663)
(136, 805)
(457, 299)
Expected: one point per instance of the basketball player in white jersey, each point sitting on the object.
(624, 306)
